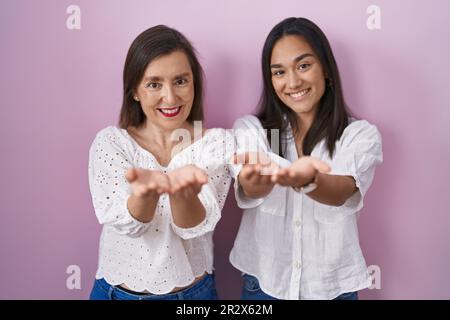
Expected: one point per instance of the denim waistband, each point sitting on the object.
(116, 292)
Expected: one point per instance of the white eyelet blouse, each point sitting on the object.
(296, 247)
(156, 256)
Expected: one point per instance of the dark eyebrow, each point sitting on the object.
(185, 74)
(152, 79)
(297, 59)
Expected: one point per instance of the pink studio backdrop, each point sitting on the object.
(60, 86)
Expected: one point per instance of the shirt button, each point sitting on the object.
(297, 223)
(298, 265)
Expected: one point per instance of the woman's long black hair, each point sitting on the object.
(331, 116)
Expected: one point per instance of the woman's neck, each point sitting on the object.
(304, 123)
(161, 137)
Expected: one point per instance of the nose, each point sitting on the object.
(294, 80)
(169, 95)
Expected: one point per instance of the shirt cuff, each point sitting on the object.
(242, 200)
(212, 216)
(126, 224)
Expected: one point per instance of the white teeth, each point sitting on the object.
(299, 94)
(170, 111)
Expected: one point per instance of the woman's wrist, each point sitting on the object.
(308, 187)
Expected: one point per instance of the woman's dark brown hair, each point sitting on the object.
(149, 45)
(331, 117)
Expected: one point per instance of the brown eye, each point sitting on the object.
(153, 85)
(278, 72)
(304, 66)
(181, 82)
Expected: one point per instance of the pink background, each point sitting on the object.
(59, 87)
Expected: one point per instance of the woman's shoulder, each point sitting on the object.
(112, 135)
(111, 131)
(247, 122)
(360, 130)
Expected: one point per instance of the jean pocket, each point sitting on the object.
(348, 296)
(251, 284)
(100, 290)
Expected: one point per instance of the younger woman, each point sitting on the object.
(298, 238)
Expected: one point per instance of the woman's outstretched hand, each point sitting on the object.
(146, 182)
(256, 172)
(257, 167)
(301, 172)
(187, 181)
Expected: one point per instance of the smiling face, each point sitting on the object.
(166, 91)
(297, 75)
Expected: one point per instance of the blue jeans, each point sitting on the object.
(205, 289)
(252, 291)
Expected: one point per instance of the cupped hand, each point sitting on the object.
(257, 168)
(300, 173)
(187, 181)
(146, 182)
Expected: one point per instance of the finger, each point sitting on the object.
(131, 175)
(264, 159)
(320, 166)
(251, 158)
(270, 169)
(191, 179)
(246, 171)
(165, 185)
(151, 185)
(283, 172)
(201, 176)
(274, 178)
(255, 174)
(138, 191)
(277, 176)
(174, 185)
(162, 189)
(241, 158)
(282, 180)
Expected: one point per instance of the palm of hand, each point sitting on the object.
(187, 181)
(145, 182)
(301, 172)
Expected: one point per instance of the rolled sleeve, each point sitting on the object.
(242, 200)
(251, 137)
(361, 152)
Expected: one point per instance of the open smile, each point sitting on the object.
(299, 95)
(170, 112)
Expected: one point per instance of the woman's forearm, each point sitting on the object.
(333, 190)
(187, 212)
(143, 208)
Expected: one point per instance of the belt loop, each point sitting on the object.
(110, 292)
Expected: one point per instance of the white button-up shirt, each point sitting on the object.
(155, 256)
(296, 247)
